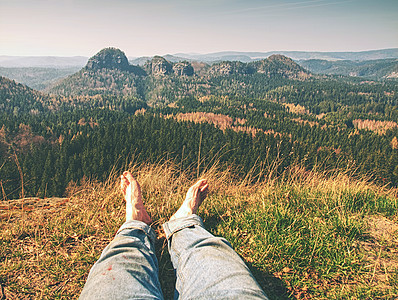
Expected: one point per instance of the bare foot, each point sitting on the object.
(195, 196)
(135, 209)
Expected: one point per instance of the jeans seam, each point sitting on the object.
(187, 222)
(148, 231)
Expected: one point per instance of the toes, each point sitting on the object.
(200, 185)
(123, 183)
(201, 182)
(204, 187)
(131, 180)
(128, 176)
(132, 186)
(204, 191)
(199, 190)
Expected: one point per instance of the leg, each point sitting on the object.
(127, 268)
(207, 266)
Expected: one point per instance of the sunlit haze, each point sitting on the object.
(149, 27)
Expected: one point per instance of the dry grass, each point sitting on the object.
(305, 235)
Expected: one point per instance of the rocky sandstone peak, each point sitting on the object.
(280, 57)
(280, 65)
(183, 69)
(223, 68)
(231, 67)
(159, 66)
(109, 58)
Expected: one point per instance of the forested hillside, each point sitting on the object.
(245, 116)
(380, 69)
(37, 78)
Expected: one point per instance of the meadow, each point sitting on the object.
(304, 234)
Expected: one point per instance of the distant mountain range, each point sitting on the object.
(38, 78)
(80, 61)
(109, 72)
(40, 72)
(42, 61)
(372, 69)
(295, 55)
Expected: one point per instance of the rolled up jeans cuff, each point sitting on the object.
(134, 224)
(175, 225)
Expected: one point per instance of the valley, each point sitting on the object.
(266, 110)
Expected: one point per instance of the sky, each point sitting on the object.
(159, 27)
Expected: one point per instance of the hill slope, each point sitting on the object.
(373, 69)
(37, 78)
(16, 98)
(304, 235)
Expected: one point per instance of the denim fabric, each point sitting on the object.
(207, 267)
(127, 268)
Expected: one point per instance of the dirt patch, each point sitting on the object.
(383, 229)
(30, 204)
(381, 251)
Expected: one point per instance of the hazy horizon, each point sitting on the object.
(68, 28)
(193, 53)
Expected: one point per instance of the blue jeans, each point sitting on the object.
(207, 267)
